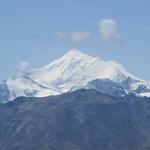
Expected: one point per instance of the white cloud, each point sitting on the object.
(75, 37)
(61, 35)
(79, 37)
(109, 30)
(23, 65)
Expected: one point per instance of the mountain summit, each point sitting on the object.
(75, 70)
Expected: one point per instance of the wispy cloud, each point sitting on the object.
(109, 30)
(79, 37)
(75, 38)
(60, 35)
(146, 29)
(23, 65)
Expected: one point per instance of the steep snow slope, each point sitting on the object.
(73, 71)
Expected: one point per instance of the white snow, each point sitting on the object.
(72, 71)
(145, 94)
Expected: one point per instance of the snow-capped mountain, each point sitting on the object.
(73, 71)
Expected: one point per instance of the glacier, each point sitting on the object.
(75, 70)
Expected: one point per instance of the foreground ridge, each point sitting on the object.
(82, 120)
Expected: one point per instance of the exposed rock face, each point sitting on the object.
(80, 120)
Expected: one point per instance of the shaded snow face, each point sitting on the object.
(73, 71)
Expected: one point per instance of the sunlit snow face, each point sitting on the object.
(70, 72)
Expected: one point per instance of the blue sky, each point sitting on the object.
(38, 31)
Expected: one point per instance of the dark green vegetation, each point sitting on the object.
(81, 120)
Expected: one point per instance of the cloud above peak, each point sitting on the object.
(109, 30)
(79, 37)
(76, 38)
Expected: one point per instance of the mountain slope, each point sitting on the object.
(73, 71)
(80, 120)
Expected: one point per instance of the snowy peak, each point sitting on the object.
(73, 71)
(92, 66)
(74, 53)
